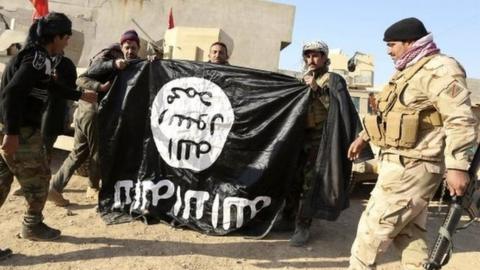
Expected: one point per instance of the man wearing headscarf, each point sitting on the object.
(424, 124)
(323, 174)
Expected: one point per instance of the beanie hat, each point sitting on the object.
(130, 35)
(405, 30)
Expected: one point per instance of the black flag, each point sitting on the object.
(208, 146)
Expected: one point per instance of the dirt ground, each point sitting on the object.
(87, 243)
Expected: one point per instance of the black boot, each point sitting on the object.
(302, 232)
(5, 253)
(39, 232)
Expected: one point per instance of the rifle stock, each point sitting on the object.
(443, 248)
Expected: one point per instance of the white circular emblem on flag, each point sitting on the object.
(190, 120)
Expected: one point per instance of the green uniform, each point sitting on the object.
(316, 118)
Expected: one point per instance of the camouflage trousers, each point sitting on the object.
(85, 147)
(29, 165)
(397, 213)
(49, 141)
(304, 177)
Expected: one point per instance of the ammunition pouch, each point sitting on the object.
(373, 125)
(316, 114)
(400, 129)
(389, 96)
(397, 125)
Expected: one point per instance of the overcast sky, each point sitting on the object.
(359, 26)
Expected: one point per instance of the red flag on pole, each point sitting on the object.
(171, 23)
(41, 8)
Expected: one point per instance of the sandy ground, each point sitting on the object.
(87, 243)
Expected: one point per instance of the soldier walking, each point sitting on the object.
(424, 124)
(23, 96)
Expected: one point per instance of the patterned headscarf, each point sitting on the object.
(317, 46)
(420, 48)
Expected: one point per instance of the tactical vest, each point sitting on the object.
(395, 124)
(318, 108)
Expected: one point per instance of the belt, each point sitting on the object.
(398, 159)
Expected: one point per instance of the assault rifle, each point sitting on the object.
(469, 202)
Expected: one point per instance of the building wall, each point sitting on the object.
(190, 43)
(258, 29)
(362, 77)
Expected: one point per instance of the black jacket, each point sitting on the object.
(329, 193)
(23, 90)
(101, 70)
(55, 115)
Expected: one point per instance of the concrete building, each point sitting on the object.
(8, 39)
(257, 29)
(192, 43)
(362, 76)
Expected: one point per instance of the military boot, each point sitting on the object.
(5, 253)
(302, 232)
(39, 232)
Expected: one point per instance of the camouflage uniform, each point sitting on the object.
(29, 164)
(316, 118)
(413, 156)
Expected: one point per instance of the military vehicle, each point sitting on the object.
(358, 72)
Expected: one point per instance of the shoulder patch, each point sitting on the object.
(454, 89)
(39, 60)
